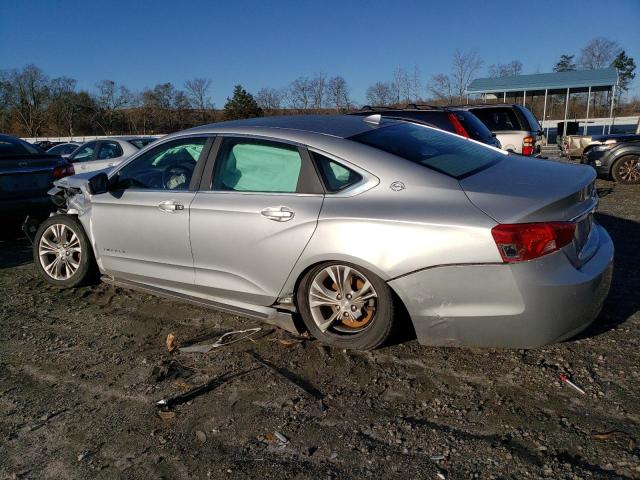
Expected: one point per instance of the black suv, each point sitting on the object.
(454, 120)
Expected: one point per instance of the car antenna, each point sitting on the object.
(375, 119)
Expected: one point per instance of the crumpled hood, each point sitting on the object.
(524, 189)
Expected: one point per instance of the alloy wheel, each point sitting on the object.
(342, 299)
(59, 251)
(629, 170)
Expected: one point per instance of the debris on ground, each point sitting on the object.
(566, 380)
(170, 369)
(172, 342)
(201, 436)
(281, 437)
(224, 340)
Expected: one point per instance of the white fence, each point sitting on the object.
(82, 139)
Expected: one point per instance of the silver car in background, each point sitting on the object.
(106, 152)
(355, 226)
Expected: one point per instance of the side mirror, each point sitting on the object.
(98, 184)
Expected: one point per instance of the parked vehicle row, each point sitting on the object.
(346, 221)
(26, 174)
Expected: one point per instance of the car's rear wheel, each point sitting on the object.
(62, 253)
(346, 306)
(626, 169)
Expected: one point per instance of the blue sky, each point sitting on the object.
(270, 43)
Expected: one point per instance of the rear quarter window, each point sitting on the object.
(499, 119)
(449, 154)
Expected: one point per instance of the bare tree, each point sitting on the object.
(110, 99)
(338, 93)
(441, 87)
(28, 94)
(510, 69)
(197, 92)
(300, 93)
(416, 84)
(465, 67)
(402, 86)
(381, 93)
(318, 86)
(269, 99)
(598, 53)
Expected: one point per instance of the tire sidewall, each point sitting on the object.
(85, 272)
(371, 337)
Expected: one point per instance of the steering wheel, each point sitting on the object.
(176, 176)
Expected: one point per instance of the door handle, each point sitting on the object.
(171, 206)
(278, 214)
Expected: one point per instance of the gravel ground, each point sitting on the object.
(80, 371)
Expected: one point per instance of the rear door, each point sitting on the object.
(109, 153)
(141, 225)
(251, 222)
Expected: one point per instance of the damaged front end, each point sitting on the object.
(70, 195)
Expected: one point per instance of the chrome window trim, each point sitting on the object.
(369, 180)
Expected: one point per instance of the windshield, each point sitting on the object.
(440, 151)
(141, 142)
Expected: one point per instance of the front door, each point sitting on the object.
(141, 226)
(253, 222)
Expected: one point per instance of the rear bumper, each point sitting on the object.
(18, 209)
(522, 305)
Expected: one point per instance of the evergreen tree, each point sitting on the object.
(565, 64)
(241, 105)
(625, 66)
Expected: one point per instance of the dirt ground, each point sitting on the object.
(80, 371)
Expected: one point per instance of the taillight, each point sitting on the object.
(63, 171)
(457, 125)
(518, 242)
(527, 145)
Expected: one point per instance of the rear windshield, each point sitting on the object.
(499, 119)
(533, 121)
(16, 147)
(443, 152)
(474, 127)
(141, 142)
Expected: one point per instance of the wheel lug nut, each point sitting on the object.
(353, 308)
(345, 314)
(339, 297)
(348, 296)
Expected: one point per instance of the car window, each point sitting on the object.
(498, 119)
(449, 154)
(63, 149)
(85, 153)
(109, 150)
(534, 125)
(141, 142)
(257, 166)
(167, 167)
(335, 176)
(474, 127)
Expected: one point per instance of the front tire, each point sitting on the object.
(626, 169)
(346, 306)
(62, 252)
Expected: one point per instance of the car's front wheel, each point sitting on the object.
(62, 253)
(626, 169)
(346, 306)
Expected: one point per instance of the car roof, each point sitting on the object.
(341, 126)
(489, 105)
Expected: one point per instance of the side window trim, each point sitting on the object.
(367, 182)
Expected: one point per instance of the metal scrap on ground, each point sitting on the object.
(224, 340)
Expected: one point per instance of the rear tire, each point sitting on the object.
(626, 169)
(63, 254)
(346, 306)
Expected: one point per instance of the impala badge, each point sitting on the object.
(397, 186)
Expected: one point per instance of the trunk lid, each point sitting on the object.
(522, 190)
(25, 176)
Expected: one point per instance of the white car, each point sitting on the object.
(64, 149)
(106, 152)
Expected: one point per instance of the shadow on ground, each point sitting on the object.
(14, 253)
(623, 300)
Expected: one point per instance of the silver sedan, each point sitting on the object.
(348, 227)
